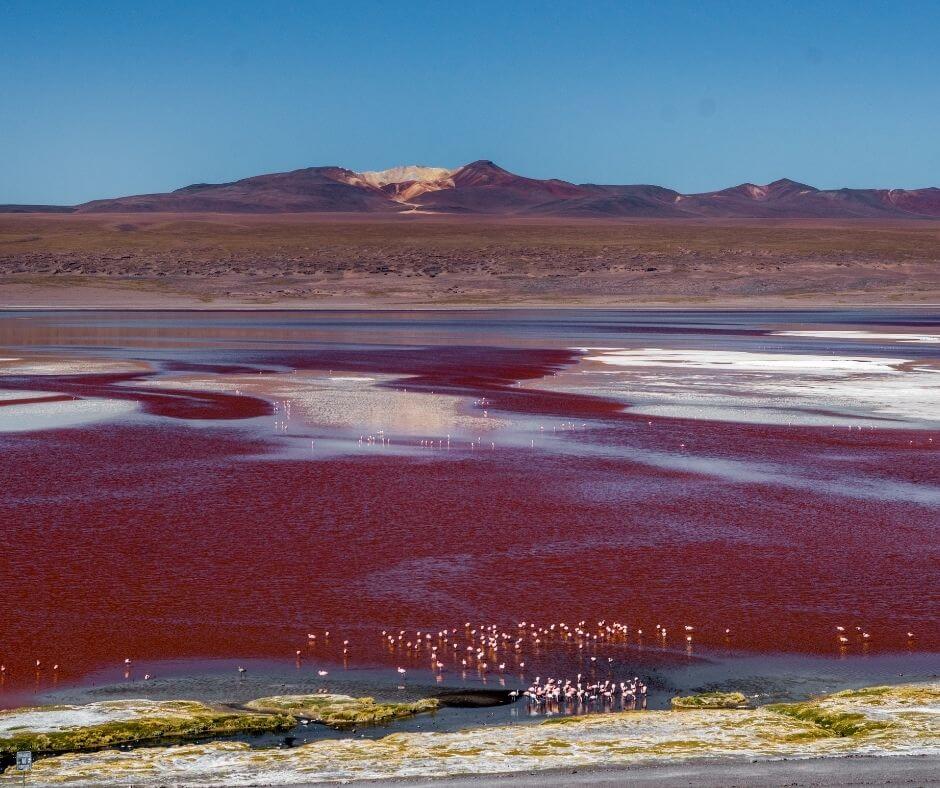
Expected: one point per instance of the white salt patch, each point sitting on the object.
(59, 718)
(58, 415)
(745, 361)
(25, 394)
(863, 335)
(751, 415)
(71, 367)
(771, 388)
(908, 397)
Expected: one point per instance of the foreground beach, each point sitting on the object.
(897, 770)
(860, 770)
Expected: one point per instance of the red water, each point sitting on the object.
(158, 540)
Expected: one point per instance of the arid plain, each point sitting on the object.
(299, 260)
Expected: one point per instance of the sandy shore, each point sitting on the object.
(886, 770)
(90, 295)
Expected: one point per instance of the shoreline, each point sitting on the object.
(872, 736)
(380, 305)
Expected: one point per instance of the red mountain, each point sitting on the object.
(314, 189)
(482, 187)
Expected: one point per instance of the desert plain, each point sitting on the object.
(411, 260)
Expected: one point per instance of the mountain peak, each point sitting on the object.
(774, 190)
(482, 172)
(481, 165)
(787, 186)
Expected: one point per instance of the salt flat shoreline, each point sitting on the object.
(383, 305)
(847, 770)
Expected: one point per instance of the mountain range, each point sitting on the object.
(482, 187)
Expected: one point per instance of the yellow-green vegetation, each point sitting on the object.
(572, 720)
(861, 711)
(341, 711)
(903, 695)
(124, 723)
(887, 721)
(832, 722)
(909, 713)
(711, 700)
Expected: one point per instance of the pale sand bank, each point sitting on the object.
(370, 405)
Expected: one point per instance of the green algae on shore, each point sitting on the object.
(867, 710)
(60, 729)
(898, 697)
(909, 715)
(711, 700)
(833, 723)
(341, 711)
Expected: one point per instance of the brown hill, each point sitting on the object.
(314, 189)
(482, 187)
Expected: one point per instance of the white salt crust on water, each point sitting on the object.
(78, 366)
(20, 394)
(32, 417)
(769, 388)
(862, 335)
(745, 361)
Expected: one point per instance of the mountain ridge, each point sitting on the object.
(483, 187)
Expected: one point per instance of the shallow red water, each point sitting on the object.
(157, 540)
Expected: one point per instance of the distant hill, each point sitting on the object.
(482, 187)
(37, 209)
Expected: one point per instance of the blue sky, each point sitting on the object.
(102, 99)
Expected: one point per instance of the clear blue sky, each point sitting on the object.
(102, 99)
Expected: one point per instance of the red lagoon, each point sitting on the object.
(183, 534)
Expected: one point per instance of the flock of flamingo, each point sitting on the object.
(487, 650)
(556, 695)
